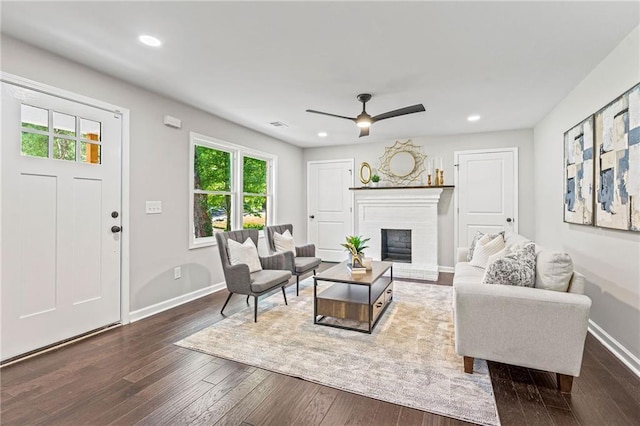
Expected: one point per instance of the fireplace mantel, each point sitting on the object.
(414, 208)
(375, 188)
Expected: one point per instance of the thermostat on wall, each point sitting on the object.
(172, 122)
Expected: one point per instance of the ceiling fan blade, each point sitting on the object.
(364, 131)
(331, 115)
(398, 112)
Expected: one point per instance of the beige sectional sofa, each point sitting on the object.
(524, 326)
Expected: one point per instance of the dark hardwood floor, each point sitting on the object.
(135, 375)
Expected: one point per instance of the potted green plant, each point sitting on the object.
(355, 244)
(374, 180)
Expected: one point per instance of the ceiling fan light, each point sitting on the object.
(363, 123)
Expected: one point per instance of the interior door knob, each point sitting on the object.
(115, 229)
(311, 217)
(509, 220)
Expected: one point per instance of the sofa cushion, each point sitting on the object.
(514, 241)
(284, 242)
(465, 273)
(485, 247)
(517, 268)
(553, 270)
(246, 253)
(476, 238)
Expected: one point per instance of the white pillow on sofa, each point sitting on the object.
(553, 270)
(485, 247)
(284, 242)
(475, 240)
(246, 253)
(499, 255)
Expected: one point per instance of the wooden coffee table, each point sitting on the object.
(359, 297)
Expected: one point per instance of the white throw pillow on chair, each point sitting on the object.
(284, 242)
(245, 253)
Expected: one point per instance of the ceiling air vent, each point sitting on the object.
(278, 124)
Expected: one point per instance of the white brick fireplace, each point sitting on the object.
(415, 209)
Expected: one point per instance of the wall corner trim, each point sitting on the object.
(447, 269)
(176, 301)
(615, 347)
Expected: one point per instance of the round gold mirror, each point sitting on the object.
(402, 163)
(365, 173)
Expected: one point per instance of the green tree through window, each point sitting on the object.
(218, 201)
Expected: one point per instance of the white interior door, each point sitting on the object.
(486, 192)
(61, 196)
(329, 206)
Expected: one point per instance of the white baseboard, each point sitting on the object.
(176, 301)
(447, 269)
(615, 347)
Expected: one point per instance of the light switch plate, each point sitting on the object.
(153, 207)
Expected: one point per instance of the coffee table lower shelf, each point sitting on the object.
(365, 304)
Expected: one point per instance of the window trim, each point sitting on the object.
(238, 152)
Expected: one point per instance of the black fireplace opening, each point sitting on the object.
(396, 245)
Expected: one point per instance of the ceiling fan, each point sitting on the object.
(364, 120)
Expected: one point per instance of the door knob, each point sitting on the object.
(311, 217)
(115, 229)
(509, 220)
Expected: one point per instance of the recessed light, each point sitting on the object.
(150, 40)
(322, 134)
(473, 118)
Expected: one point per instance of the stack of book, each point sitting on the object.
(357, 269)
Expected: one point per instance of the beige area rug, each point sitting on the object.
(409, 359)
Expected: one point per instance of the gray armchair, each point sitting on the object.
(304, 260)
(274, 274)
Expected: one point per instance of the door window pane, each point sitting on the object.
(34, 118)
(211, 214)
(212, 169)
(35, 145)
(64, 149)
(90, 153)
(90, 129)
(255, 212)
(64, 124)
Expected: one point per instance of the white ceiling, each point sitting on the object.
(258, 62)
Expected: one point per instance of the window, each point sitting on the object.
(231, 188)
(52, 134)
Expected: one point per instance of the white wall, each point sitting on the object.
(159, 170)
(445, 146)
(609, 259)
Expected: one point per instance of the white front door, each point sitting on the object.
(329, 206)
(486, 192)
(61, 206)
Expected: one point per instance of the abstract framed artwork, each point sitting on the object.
(617, 147)
(578, 173)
